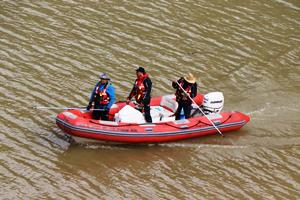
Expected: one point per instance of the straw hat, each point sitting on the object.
(190, 78)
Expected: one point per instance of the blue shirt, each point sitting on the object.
(110, 91)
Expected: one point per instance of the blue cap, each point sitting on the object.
(104, 76)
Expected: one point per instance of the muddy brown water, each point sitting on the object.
(52, 53)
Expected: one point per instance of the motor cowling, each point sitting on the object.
(213, 102)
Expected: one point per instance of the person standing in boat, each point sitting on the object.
(102, 97)
(189, 84)
(142, 92)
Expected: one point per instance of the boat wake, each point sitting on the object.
(198, 146)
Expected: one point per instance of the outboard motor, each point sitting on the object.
(213, 102)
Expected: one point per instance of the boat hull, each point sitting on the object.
(80, 135)
(79, 126)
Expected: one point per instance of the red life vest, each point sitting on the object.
(180, 95)
(140, 88)
(103, 96)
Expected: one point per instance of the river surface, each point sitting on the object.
(52, 53)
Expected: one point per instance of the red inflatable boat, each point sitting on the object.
(127, 125)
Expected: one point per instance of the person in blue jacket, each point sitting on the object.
(102, 97)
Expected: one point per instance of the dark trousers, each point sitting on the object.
(148, 117)
(187, 108)
(99, 114)
(146, 109)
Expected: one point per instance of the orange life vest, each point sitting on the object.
(180, 95)
(140, 89)
(102, 96)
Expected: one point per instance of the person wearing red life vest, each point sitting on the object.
(142, 92)
(102, 97)
(189, 84)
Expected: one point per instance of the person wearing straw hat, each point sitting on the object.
(103, 97)
(188, 83)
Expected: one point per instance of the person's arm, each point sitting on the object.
(112, 96)
(175, 85)
(148, 87)
(92, 97)
(132, 93)
(93, 93)
(194, 90)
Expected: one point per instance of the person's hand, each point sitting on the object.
(127, 101)
(175, 84)
(106, 108)
(141, 104)
(89, 106)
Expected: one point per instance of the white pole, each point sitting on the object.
(200, 110)
(62, 108)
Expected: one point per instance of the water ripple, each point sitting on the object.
(53, 52)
